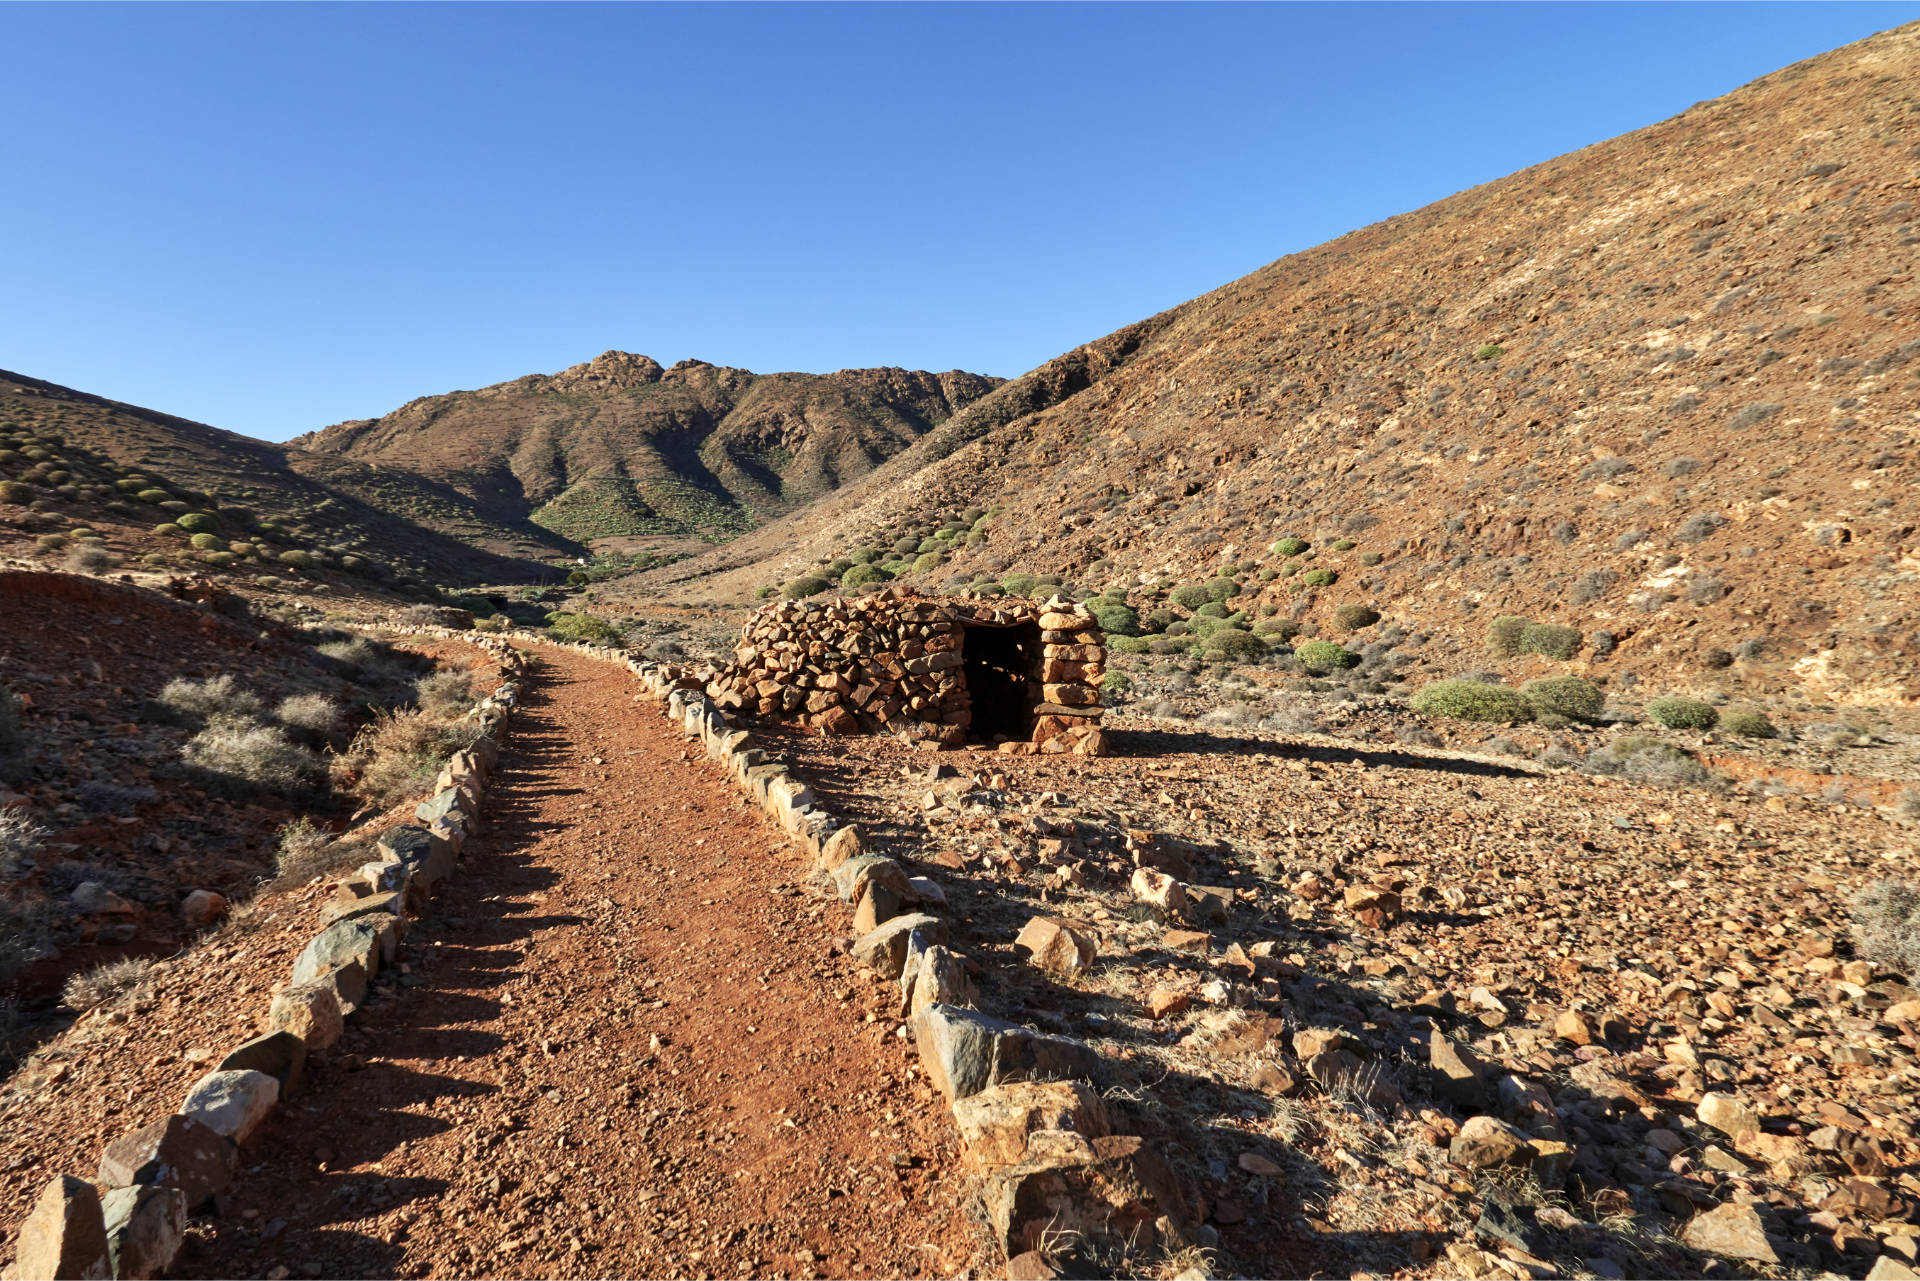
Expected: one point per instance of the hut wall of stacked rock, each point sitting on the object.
(1016, 673)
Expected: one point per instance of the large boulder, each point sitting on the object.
(964, 1051)
(1111, 1190)
(146, 1226)
(65, 1236)
(232, 1103)
(178, 1152)
(995, 1124)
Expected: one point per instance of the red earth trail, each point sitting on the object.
(623, 1046)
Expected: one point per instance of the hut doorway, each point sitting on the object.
(1002, 668)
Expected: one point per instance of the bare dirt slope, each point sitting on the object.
(1666, 385)
(507, 1111)
(619, 446)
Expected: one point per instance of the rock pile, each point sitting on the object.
(1023, 673)
(156, 1175)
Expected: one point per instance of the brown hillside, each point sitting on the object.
(314, 501)
(1664, 387)
(620, 446)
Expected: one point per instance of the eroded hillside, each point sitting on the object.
(619, 446)
(1664, 387)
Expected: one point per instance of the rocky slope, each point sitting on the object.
(394, 517)
(621, 446)
(1666, 387)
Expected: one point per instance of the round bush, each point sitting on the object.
(1503, 636)
(153, 495)
(806, 585)
(197, 523)
(168, 530)
(205, 542)
(1465, 700)
(1232, 643)
(1550, 640)
(1115, 683)
(1325, 656)
(1747, 723)
(1128, 644)
(1290, 546)
(1568, 696)
(1319, 578)
(1212, 609)
(862, 574)
(1191, 596)
(1351, 618)
(1343, 544)
(926, 561)
(1279, 629)
(1116, 618)
(299, 559)
(1222, 589)
(1683, 713)
(12, 491)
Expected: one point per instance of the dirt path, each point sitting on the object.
(507, 1109)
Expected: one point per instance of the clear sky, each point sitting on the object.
(273, 217)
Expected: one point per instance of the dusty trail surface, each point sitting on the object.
(506, 1110)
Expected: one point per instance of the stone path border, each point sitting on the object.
(1030, 1117)
(157, 1174)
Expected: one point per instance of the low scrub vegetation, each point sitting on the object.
(1746, 723)
(1466, 700)
(1641, 758)
(589, 628)
(242, 754)
(1886, 926)
(104, 985)
(1569, 696)
(1683, 713)
(1325, 656)
(398, 753)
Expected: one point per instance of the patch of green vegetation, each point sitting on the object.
(1568, 696)
(1503, 636)
(1489, 351)
(1290, 546)
(1320, 578)
(582, 627)
(1747, 723)
(1683, 713)
(1352, 618)
(1550, 640)
(1325, 656)
(1466, 700)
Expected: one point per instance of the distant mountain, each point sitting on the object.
(1666, 388)
(621, 446)
(321, 501)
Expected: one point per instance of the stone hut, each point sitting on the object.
(1015, 673)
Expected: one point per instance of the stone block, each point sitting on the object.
(885, 948)
(280, 1054)
(995, 1123)
(65, 1235)
(232, 1103)
(178, 1152)
(312, 1012)
(964, 1051)
(146, 1226)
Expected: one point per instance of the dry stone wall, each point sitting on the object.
(155, 1175)
(932, 668)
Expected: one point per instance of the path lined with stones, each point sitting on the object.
(621, 1045)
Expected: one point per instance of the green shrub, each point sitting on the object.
(805, 585)
(153, 495)
(1550, 640)
(1503, 637)
(1290, 546)
(1233, 644)
(1319, 578)
(50, 542)
(864, 555)
(862, 574)
(581, 627)
(1267, 575)
(1158, 620)
(762, 592)
(1191, 596)
(1746, 723)
(1343, 544)
(1325, 656)
(1212, 609)
(1201, 625)
(1683, 713)
(1289, 569)
(1116, 618)
(1370, 558)
(1279, 629)
(1115, 683)
(1351, 618)
(1472, 701)
(1019, 584)
(206, 542)
(926, 561)
(299, 559)
(1568, 696)
(12, 491)
(1222, 589)
(1490, 351)
(197, 523)
(1128, 644)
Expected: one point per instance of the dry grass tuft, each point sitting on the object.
(248, 752)
(1886, 925)
(398, 753)
(207, 700)
(105, 984)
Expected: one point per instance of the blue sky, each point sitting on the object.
(274, 217)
